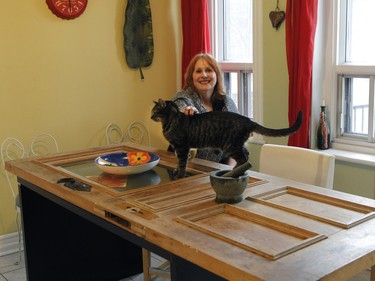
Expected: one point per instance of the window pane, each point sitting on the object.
(239, 86)
(356, 91)
(234, 49)
(231, 85)
(360, 43)
(238, 39)
(248, 102)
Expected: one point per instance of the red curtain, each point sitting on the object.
(300, 24)
(195, 30)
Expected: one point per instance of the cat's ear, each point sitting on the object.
(162, 103)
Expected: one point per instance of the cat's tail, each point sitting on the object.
(280, 132)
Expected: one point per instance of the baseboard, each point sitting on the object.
(9, 244)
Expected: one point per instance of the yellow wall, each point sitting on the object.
(275, 76)
(70, 78)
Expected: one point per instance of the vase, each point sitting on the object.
(323, 134)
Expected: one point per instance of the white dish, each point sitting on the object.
(127, 163)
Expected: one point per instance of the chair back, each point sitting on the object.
(43, 144)
(11, 149)
(298, 164)
(135, 133)
(114, 134)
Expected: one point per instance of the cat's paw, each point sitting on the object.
(177, 174)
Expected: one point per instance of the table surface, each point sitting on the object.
(282, 230)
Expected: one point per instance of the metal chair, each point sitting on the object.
(135, 133)
(298, 164)
(43, 144)
(114, 134)
(12, 149)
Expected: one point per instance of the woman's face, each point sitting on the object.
(204, 77)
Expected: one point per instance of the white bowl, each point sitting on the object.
(127, 163)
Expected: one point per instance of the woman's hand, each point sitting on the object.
(231, 162)
(189, 110)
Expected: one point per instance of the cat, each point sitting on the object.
(225, 130)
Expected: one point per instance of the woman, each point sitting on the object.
(203, 92)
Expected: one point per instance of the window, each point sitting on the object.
(355, 72)
(354, 95)
(232, 32)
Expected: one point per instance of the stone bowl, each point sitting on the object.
(228, 189)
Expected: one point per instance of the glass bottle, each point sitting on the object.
(323, 134)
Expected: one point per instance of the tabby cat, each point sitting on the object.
(225, 130)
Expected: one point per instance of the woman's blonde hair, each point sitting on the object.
(219, 90)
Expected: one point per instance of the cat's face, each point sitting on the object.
(163, 108)
(157, 110)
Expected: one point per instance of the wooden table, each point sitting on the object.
(282, 230)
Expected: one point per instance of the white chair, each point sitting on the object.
(114, 134)
(298, 164)
(12, 149)
(135, 133)
(43, 144)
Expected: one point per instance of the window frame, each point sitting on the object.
(340, 104)
(336, 67)
(240, 67)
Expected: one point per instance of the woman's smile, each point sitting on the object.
(204, 77)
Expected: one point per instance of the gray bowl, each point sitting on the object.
(227, 189)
